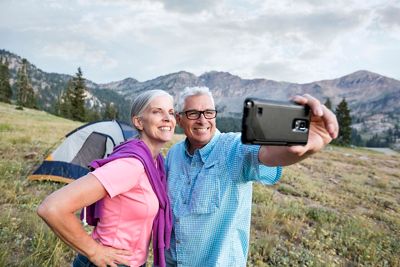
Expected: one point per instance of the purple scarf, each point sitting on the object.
(162, 224)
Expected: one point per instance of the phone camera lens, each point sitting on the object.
(300, 126)
(249, 104)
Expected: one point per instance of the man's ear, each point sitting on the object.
(138, 123)
(178, 119)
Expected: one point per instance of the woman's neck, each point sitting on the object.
(154, 147)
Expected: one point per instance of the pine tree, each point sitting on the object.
(344, 119)
(110, 112)
(25, 93)
(356, 138)
(93, 114)
(328, 103)
(65, 105)
(72, 102)
(396, 131)
(56, 106)
(5, 87)
(376, 141)
(78, 97)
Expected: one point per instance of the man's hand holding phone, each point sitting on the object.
(323, 127)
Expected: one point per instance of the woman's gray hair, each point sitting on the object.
(192, 91)
(141, 102)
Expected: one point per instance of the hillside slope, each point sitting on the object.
(26, 137)
(338, 208)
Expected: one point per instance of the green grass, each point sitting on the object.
(26, 137)
(338, 208)
(5, 127)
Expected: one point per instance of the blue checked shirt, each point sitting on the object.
(210, 194)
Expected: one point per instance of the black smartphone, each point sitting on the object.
(269, 122)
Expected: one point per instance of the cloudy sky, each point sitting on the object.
(295, 41)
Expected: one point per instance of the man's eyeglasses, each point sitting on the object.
(195, 114)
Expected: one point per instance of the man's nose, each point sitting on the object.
(202, 118)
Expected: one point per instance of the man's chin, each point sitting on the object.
(203, 140)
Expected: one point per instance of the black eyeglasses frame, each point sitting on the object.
(198, 112)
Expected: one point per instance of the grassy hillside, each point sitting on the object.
(339, 208)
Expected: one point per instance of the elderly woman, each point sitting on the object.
(130, 189)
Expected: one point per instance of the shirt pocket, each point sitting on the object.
(175, 192)
(206, 194)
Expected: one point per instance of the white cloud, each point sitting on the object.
(188, 7)
(389, 16)
(80, 52)
(298, 41)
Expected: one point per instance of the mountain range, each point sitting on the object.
(374, 99)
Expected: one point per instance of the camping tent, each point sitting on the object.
(91, 141)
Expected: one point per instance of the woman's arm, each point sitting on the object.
(58, 211)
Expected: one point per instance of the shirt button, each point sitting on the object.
(178, 241)
(177, 220)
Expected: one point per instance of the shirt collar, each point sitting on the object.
(205, 150)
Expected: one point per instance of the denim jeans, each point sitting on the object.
(82, 261)
(169, 261)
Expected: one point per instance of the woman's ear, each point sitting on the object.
(137, 122)
(178, 118)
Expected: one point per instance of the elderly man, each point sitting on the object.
(210, 177)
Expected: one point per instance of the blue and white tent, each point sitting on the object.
(70, 160)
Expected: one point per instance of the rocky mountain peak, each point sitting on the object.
(218, 77)
(178, 76)
(360, 79)
(122, 85)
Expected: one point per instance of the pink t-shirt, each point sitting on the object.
(128, 211)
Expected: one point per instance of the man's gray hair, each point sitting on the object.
(192, 91)
(141, 102)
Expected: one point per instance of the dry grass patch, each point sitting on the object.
(338, 208)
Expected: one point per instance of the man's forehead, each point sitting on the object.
(199, 102)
